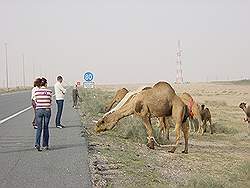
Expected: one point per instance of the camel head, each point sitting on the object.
(202, 106)
(196, 109)
(105, 123)
(243, 105)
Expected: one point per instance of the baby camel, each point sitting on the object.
(205, 117)
(246, 109)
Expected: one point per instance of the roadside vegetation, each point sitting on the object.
(120, 158)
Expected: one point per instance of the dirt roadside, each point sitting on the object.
(120, 158)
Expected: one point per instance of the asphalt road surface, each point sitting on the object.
(22, 166)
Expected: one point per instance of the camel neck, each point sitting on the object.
(124, 111)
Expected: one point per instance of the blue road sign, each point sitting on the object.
(88, 76)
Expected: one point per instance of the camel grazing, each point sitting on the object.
(205, 117)
(246, 109)
(160, 101)
(194, 111)
(120, 94)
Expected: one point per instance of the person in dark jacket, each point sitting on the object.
(75, 96)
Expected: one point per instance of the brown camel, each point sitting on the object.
(160, 101)
(194, 116)
(120, 94)
(206, 117)
(194, 111)
(246, 109)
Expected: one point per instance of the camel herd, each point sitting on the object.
(162, 102)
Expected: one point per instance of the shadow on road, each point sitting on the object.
(52, 148)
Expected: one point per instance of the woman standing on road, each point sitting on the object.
(43, 98)
(37, 83)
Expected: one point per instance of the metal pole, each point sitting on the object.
(6, 66)
(23, 73)
(33, 70)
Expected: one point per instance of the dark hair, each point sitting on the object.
(59, 78)
(37, 82)
(43, 82)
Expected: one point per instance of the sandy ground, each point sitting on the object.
(120, 158)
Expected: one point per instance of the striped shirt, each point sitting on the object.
(43, 98)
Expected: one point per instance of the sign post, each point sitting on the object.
(88, 78)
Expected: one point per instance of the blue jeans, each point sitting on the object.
(42, 116)
(59, 111)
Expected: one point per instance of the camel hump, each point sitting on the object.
(164, 85)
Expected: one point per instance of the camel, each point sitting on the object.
(193, 106)
(159, 101)
(194, 116)
(205, 117)
(246, 109)
(120, 94)
(194, 111)
(118, 97)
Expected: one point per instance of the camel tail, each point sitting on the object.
(185, 114)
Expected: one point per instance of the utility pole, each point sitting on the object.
(23, 73)
(33, 70)
(6, 66)
(179, 72)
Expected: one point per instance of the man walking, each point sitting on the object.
(75, 96)
(60, 93)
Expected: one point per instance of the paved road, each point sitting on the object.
(21, 166)
(11, 103)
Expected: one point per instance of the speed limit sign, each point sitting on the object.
(88, 78)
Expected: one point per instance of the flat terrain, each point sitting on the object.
(120, 158)
(22, 166)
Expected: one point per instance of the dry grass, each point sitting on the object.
(120, 158)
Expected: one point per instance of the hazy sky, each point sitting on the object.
(125, 41)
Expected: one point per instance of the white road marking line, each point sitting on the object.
(14, 115)
(18, 113)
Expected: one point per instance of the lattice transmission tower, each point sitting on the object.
(179, 72)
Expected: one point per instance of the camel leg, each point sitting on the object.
(248, 129)
(185, 130)
(167, 127)
(177, 138)
(148, 126)
(211, 126)
(204, 125)
(196, 125)
(191, 125)
(162, 128)
(200, 128)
